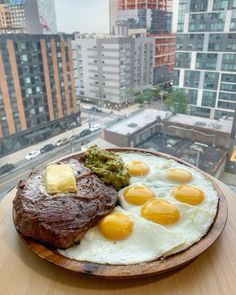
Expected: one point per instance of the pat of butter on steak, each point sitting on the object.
(62, 219)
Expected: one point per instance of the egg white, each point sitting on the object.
(147, 242)
(192, 225)
(158, 168)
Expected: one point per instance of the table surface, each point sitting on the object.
(24, 273)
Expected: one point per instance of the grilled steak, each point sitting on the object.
(62, 220)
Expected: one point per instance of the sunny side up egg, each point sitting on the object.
(142, 241)
(184, 210)
(160, 172)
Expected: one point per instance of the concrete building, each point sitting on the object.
(206, 56)
(203, 143)
(28, 16)
(137, 128)
(37, 91)
(111, 70)
(112, 14)
(153, 18)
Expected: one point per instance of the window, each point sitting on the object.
(208, 98)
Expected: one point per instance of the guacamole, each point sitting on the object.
(108, 166)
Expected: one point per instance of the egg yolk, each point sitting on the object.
(115, 226)
(138, 195)
(160, 211)
(188, 194)
(179, 175)
(137, 168)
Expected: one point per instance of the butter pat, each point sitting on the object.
(60, 179)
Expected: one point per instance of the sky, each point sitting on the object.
(85, 16)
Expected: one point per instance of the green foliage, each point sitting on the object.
(177, 100)
(147, 95)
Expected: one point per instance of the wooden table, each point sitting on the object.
(23, 273)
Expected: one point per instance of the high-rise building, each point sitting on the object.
(153, 18)
(37, 91)
(111, 70)
(112, 14)
(144, 4)
(206, 56)
(28, 16)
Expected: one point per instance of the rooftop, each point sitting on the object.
(137, 121)
(194, 121)
(210, 158)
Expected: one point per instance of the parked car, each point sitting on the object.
(95, 127)
(6, 168)
(32, 154)
(85, 132)
(62, 141)
(75, 137)
(47, 148)
(87, 107)
(96, 109)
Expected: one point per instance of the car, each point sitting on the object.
(47, 148)
(32, 154)
(95, 127)
(85, 132)
(6, 168)
(62, 141)
(75, 137)
(85, 107)
(96, 109)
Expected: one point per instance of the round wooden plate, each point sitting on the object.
(159, 266)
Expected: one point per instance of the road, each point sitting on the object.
(24, 167)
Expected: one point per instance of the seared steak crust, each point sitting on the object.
(62, 219)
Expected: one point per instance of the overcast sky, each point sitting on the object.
(88, 16)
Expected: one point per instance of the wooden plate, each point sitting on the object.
(144, 269)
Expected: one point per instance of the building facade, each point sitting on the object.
(28, 16)
(37, 91)
(153, 18)
(111, 70)
(206, 56)
(112, 14)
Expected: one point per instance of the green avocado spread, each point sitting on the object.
(108, 166)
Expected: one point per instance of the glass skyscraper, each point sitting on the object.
(205, 65)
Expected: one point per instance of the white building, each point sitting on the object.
(113, 69)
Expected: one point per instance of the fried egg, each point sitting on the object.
(122, 238)
(190, 222)
(161, 171)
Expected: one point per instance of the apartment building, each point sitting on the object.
(28, 16)
(111, 70)
(153, 18)
(206, 56)
(37, 91)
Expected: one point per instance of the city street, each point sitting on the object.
(23, 167)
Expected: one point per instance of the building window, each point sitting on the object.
(211, 80)
(191, 78)
(24, 57)
(208, 99)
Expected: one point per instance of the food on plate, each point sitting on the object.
(60, 179)
(178, 175)
(137, 168)
(147, 241)
(188, 194)
(108, 166)
(163, 207)
(61, 219)
(138, 194)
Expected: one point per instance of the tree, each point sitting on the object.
(177, 100)
(147, 95)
